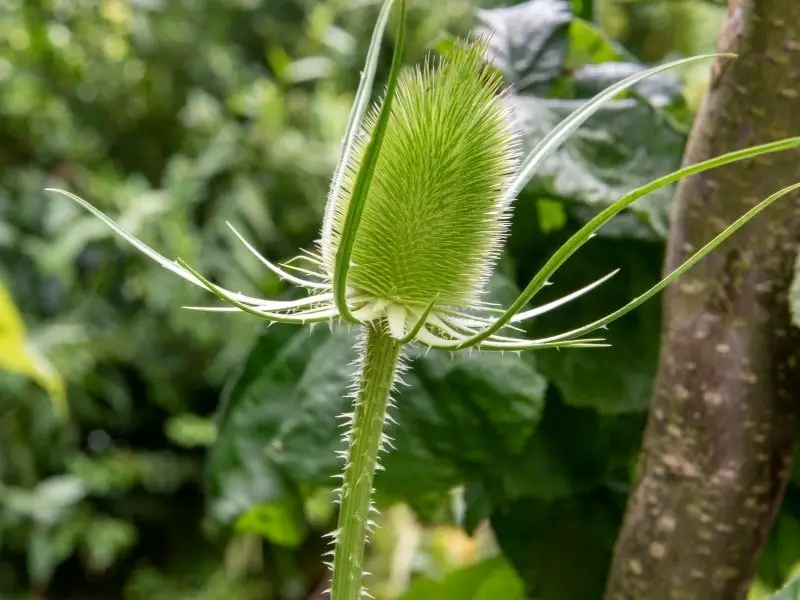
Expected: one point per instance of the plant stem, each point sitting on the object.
(378, 368)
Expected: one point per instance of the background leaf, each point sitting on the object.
(493, 578)
(611, 380)
(455, 418)
(528, 41)
(555, 466)
(245, 484)
(550, 543)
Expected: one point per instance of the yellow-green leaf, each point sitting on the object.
(18, 355)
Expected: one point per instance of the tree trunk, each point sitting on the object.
(721, 435)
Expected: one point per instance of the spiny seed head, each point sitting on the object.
(436, 215)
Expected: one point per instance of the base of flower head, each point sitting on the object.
(434, 326)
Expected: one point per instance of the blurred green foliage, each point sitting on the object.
(493, 578)
(177, 116)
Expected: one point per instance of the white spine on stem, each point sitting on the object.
(379, 366)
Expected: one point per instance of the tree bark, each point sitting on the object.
(723, 424)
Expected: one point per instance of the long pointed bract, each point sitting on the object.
(299, 318)
(545, 308)
(423, 319)
(152, 254)
(688, 264)
(572, 245)
(364, 178)
(275, 268)
(359, 107)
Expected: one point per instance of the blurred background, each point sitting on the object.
(121, 477)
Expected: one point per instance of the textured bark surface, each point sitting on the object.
(724, 419)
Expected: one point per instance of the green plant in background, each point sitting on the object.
(17, 354)
(417, 213)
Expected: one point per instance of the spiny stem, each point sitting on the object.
(374, 387)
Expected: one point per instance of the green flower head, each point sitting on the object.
(419, 207)
(437, 211)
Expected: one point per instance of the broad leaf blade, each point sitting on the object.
(562, 549)
(244, 483)
(676, 273)
(618, 379)
(568, 126)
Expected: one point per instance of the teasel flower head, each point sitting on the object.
(436, 214)
(419, 207)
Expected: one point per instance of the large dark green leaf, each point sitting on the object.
(561, 548)
(780, 557)
(460, 417)
(625, 145)
(554, 67)
(244, 482)
(616, 379)
(306, 442)
(529, 41)
(456, 418)
(572, 451)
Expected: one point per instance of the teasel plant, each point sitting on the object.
(417, 214)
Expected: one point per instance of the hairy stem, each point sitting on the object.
(365, 438)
